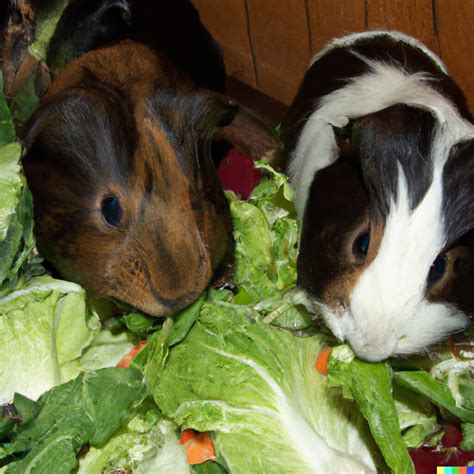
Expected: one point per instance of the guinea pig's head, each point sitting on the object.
(126, 199)
(387, 245)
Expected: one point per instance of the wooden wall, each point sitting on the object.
(268, 43)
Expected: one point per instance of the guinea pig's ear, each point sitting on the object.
(47, 112)
(216, 111)
(36, 124)
(57, 105)
(348, 137)
(253, 135)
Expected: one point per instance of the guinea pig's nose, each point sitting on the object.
(373, 348)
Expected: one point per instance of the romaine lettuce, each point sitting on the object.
(256, 387)
(147, 444)
(16, 220)
(44, 327)
(88, 409)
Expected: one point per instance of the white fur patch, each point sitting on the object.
(389, 311)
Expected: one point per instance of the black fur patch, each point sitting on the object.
(398, 137)
(337, 205)
(458, 191)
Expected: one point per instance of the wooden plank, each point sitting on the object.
(455, 19)
(227, 23)
(331, 18)
(280, 42)
(414, 17)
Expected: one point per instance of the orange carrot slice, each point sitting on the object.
(199, 446)
(322, 360)
(187, 435)
(125, 362)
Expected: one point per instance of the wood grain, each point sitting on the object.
(268, 43)
(227, 23)
(414, 17)
(455, 20)
(328, 19)
(280, 41)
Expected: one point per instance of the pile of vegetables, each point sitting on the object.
(241, 381)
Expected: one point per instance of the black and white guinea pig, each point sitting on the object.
(379, 144)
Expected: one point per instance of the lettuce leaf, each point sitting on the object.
(147, 444)
(16, 219)
(370, 385)
(468, 437)
(416, 415)
(266, 235)
(7, 130)
(43, 328)
(255, 386)
(438, 393)
(88, 409)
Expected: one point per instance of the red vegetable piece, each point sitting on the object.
(125, 362)
(238, 174)
(426, 460)
(452, 437)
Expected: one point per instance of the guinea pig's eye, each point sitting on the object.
(437, 269)
(111, 210)
(361, 245)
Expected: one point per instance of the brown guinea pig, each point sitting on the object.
(126, 198)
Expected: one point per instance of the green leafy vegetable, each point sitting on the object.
(88, 409)
(16, 220)
(424, 384)
(11, 229)
(266, 233)
(45, 31)
(458, 376)
(416, 415)
(106, 350)
(7, 131)
(467, 437)
(172, 333)
(209, 467)
(255, 386)
(44, 327)
(147, 444)
(370, 385)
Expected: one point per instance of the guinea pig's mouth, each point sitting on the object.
(373, 350)
(162, 307)
(375, 346)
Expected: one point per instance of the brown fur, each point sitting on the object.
(123, 121)
(338, 291)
